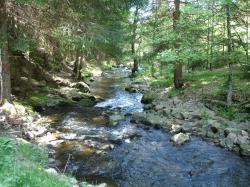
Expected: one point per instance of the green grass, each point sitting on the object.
(21, 165)
(213, 83)
(161, 83)
(232, 113)
(174, 92)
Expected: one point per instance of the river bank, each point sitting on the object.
(182, 118)
(109, 141)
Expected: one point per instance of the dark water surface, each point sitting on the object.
(133, 155)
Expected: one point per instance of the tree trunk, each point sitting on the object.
(4, 57)
(79, 68)
(136, 63)
(229, 50)
(247, 36)
(178, 83)
(212, 38)
(76, 63)
(208, 43)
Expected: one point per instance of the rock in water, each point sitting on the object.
(82, 86)
(245, 149)
(180, 138)
(231, 139)
(115, 119)
(176, 128)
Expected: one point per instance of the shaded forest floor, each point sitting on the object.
(210, 86)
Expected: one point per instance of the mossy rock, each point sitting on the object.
(87, 102)
(149, 97)
(245, 149)
(38, 100)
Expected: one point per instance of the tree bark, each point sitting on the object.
(4, 57)
(76, 63)
(135, 22)
(79, 68)
(247, 36)
(229, 50)
(212, 38)
(178, 83)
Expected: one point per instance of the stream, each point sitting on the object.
(135, 155)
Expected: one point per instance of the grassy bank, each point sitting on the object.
(23, 165)
(211, 87)
(213, 84)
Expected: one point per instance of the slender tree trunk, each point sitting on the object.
(76, 63)
(208, 43)
(212, 38)
(224, 35)
(155, 11)
(135, 22)
(229, 50)
(178, 65)
(247, 34)
(79, 68)
(4, 58)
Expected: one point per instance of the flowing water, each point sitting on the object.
(134, 155)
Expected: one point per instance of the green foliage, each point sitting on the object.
(87, 72)
(22, 165)
(106, 66)
(174, 92)
(232, 113)
(204, 118)
(161, 83)
(33, 153)
(37, 100)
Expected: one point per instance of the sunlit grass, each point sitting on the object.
(22, 165)
(213, 83)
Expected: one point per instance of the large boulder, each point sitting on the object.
(55, 100)
(214, 126)
(180, 138)
(71, 93)
(231, 140)
(9, 109)
(81, 86)
(153, 119)
(149, 97)
(176, 129)
(132, 88)
(115, 119)
(245, 149)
